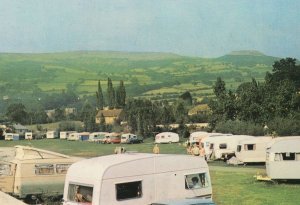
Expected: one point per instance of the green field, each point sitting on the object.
(231, 185)
(144, 74)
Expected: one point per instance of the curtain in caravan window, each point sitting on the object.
(44, 169)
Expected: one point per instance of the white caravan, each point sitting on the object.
(65, 134)
(196, 137)
(166, 137)
(283, 158)
(11, 136)
(222, 146)
(136, 179)
(125, 137)
(51, 134)
(28, 135)
(252, 150)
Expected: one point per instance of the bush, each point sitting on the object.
(240, 128)
(285, 126)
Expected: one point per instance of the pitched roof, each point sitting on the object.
(110, 113)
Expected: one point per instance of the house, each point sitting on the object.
(199, 109)
(20, 129)
(110, 116)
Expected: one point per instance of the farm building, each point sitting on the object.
(110, 116)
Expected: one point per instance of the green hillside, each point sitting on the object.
(151, 75)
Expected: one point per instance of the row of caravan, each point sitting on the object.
(279, 154)
(16, 136)
(122, 179)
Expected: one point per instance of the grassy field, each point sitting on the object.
(231, 185)
(153, 72)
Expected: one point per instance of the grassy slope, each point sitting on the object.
(231, 185)
(144, 73)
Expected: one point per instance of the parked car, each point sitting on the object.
(134, 140)
(115, 139)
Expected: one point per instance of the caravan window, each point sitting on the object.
(80, 193)
(62, 168)
(211, 146)
(239, 148)
(288, 156)
(5, 170)
(223, 146)
(129, 190)
(196, 181)
(44, 169)
(250, 147)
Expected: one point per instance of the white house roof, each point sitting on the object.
(284, 144)
(85, 169)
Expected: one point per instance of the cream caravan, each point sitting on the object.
(136, 179)
(283, 158)
(222, 146)
(166, 137)
(29, 171)
(252, 150)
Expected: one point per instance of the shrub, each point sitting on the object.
(239, 128)
(285, 126)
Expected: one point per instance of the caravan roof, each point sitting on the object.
(284, 144)
(103, 163)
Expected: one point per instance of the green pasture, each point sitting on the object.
(232, 185)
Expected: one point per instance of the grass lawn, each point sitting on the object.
(231, 185)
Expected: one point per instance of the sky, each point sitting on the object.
(203, 28)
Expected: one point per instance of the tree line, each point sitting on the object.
(255, 107)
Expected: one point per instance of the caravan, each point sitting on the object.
(252, 150)
(136, 179)
(65, 134)
(11, 136)
(26, 171)
(283, 158)
(166, 137)
(222, 146)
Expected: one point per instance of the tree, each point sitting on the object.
(285, 69)
(17, 113)
(59, 114)
(88, 117)
(121, 95)
(187, 98)
(250, 98)
(110, 94)
(100, 98)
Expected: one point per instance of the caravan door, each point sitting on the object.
(7, 177)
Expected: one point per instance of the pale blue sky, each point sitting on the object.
(205, 28)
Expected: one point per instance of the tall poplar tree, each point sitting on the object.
(100, 98)
(121, 95)
(110, 94)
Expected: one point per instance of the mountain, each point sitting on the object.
(247, 58)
